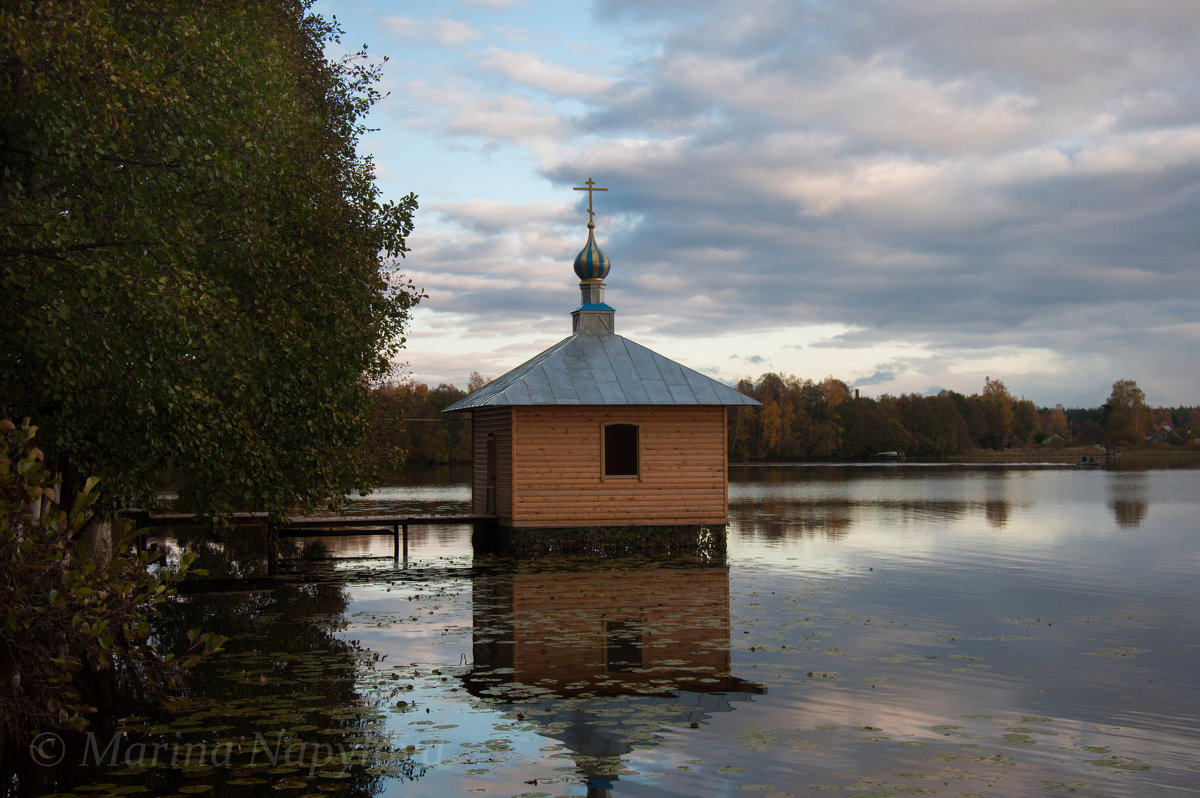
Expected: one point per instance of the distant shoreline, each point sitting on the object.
(1065, 456)
(1029, 455)
(1070, 454)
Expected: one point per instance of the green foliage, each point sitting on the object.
(195, 273)
(73, 622)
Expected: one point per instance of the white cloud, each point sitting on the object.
(493, 5)
(957, 188)
(529, 69)
(500, 217)
(493, 118)
(440, 30)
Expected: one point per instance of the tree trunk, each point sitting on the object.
(96, 541)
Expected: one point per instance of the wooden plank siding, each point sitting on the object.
(557, 477)
(494, 421)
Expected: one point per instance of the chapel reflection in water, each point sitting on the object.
(603, 659)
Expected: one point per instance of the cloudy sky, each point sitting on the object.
(909, 196)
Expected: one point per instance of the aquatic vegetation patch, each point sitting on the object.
(1120, 764)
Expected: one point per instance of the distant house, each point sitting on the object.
(598, 430)
(1164, 434)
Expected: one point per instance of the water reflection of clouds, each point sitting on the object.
(418, 493)
(425, 543)
(1013, 637)
(922, 740)
(1005, 615)
(432, 499)
(1021, 663)
(1061, 614)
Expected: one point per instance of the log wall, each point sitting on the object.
(557, 474)
(498, 422)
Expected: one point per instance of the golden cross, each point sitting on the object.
(589, 188)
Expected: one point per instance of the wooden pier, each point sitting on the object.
(319, 526)
(349, 525)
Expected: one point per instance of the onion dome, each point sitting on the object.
(591, 263)
(591, 266)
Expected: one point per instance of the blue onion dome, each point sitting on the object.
(591, 263)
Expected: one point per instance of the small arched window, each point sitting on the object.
(621, 450)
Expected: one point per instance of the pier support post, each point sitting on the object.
(272, 549)
(405, 526)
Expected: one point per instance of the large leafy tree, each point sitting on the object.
(996, 414)
(1126, 417)
(197, 274)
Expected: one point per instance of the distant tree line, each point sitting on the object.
(827, 420)
(803, 419)
(409, 427)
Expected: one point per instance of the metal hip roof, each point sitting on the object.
(601, 369)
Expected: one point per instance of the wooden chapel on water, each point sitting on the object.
(599, 431)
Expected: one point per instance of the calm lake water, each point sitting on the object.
(889, 630)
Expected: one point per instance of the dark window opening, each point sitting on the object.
(622, 646)
(621, 450)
